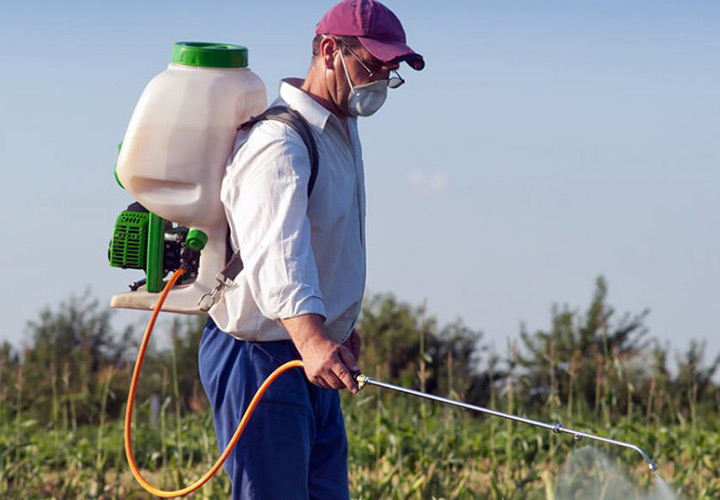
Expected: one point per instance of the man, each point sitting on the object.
(301, 289)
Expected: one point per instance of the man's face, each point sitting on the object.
(362, 68)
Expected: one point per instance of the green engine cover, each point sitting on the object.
(128, 249)
(144, 240)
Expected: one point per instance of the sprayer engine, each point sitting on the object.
(142, 240)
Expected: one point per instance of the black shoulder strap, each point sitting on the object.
(294, 120)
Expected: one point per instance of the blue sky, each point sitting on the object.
(546, 143)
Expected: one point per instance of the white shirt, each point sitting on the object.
(300, 256)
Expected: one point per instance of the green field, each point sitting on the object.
(398, 449)
(62, 401)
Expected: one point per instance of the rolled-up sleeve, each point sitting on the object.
(266, 202)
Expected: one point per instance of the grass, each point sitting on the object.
(398, 450)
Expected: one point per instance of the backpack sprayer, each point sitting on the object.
(172, 161)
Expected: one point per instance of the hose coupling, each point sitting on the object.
(362, 380)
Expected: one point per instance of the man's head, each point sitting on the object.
(377, 29)
(358, 47)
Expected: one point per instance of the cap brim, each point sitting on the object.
(393, 52)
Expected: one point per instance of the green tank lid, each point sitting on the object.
(210, 55)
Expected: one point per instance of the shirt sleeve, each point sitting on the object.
(265, 195)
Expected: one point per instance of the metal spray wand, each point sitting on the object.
(364, 380)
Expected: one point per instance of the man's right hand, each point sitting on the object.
(327, 364)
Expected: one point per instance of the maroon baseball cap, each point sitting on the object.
(377, 28)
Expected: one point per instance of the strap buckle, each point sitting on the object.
(210, 298)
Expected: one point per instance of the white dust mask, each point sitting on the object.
(365, 100)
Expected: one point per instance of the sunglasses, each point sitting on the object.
(393, 82)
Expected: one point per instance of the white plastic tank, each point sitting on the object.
(175, 151)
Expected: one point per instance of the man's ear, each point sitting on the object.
(328, 47)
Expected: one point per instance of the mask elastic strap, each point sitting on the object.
(347, 75)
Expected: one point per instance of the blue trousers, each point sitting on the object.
(294, 446)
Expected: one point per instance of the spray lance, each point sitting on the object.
(364, 380)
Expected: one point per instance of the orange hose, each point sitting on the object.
(131, 401)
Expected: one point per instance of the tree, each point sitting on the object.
(9, 368)
(585, 359)
(402, 344)
(62, 367)
(180, 362)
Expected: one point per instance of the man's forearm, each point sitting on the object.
(305, 330)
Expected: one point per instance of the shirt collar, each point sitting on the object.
(312, 111)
